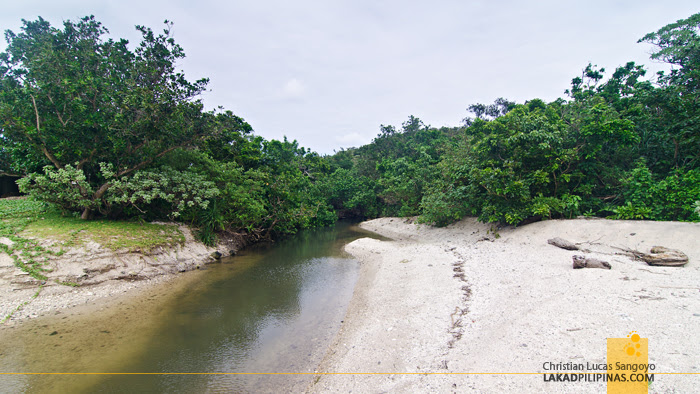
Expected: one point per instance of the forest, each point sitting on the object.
(99, 130)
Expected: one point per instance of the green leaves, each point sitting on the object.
(101, 115)
(677, 42)
(66, 187)
(537, 161)
(180, 190)
(646, 196)
(123, 133)
(515, 163)
(142, 192)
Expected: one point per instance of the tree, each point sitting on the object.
(70, 97)
(499, 107)
(537, 161)
(677, 101)
(679, 44)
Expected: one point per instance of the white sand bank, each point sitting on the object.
(518, 306)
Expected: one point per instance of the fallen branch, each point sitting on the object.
(658, 255)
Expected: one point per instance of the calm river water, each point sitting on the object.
(273, 308)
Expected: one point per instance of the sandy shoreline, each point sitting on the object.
(518, 305)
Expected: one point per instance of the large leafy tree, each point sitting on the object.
(537, 161)
(679, 44)
(676, 103)
(74, 100)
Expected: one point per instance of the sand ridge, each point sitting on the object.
(472, 298)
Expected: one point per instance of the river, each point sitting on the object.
(272, 308)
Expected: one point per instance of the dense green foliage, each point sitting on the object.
(624, 148)
(98, 129)
(389, 176)
(70, 98)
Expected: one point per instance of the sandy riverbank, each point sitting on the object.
(518, 305)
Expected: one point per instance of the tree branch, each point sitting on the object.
(36, 112)
(87, 159)
(46, 152)
(60, 118)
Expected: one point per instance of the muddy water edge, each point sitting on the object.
(272, 308)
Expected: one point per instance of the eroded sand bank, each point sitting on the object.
(466, 299)
(99, 273)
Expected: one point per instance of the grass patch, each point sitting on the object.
(26, 222)
(15, 215)
(114, 235)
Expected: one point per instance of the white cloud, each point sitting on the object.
(294, 89)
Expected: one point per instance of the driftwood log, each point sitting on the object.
(659, 255)
(587, 262)
(562, 243)
(666, 257)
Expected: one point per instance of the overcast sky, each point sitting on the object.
(329, 73)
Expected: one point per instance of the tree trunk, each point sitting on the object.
(87, 214)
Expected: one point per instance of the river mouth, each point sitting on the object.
(274, 308)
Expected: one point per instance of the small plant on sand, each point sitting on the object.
(20, 306)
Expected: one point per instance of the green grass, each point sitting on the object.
(26, 222)
(114, 235)
(15, 215)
